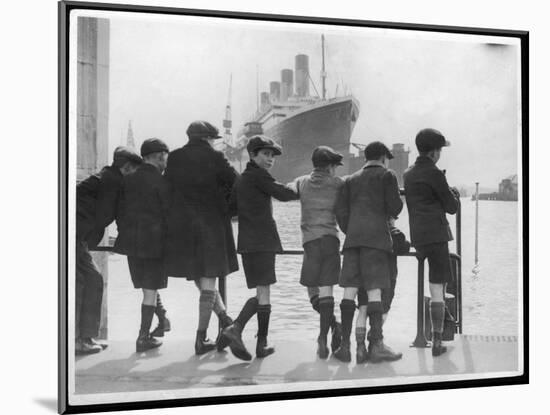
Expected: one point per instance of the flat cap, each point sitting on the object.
(153, 145)
(259, 142)
(377, 149)
(198, 129)
(429, 139)
(326, 156)
(126, 153)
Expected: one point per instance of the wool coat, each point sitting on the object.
(428, 198)
(253, 192)
(368, 199)
(200, 237)
(97, 204)
(143, 209)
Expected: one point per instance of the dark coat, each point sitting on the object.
(253, 192)
(96, 204)
(143, 208)
(367, 200)
(428, 198)
(200, 237)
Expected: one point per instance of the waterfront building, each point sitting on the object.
(508, 188)
(400, 161)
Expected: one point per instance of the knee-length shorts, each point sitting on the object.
(387, 293)
(259, 268)
(365, 267)
(439, 261)
(321, 266)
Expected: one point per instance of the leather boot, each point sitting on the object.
(343, 353)
(437, 346)
(146, 342)
(162, 327)
(223, 341)
(362, 355)
(85, 346)
(322, 348)
(202, 344)
(233, 333)
(379, 352)
(100, 344)
(262, 349)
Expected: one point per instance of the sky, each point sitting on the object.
(166, 72)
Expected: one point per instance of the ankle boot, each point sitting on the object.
(234, 333)
(84, 346)
(379, 352)
(437, 346)
(262, 349)
(343, 353)
(202, 344)
(146, 342)
(162, 327)
(222, 341)
(322, 348)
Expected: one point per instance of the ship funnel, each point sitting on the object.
(287, 84)
(275, 91)
(264, 101)
(302, 75)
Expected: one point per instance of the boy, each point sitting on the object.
(258, 241)
(429, 197)
(200, 244)
(400, 246)
(142, 230)
(96, 208)
(369, 197)
(318, 193)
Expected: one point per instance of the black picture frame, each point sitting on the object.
(64, 10)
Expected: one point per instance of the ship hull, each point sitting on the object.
(330, 124)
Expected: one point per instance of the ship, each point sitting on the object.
(297, 120)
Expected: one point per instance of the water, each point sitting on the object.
(490, 298)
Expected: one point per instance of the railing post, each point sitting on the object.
(420, 340)
(223, 295)
(459, 265)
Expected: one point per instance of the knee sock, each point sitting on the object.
(347, 308)
(264, 311)
(160, 311)
(437, 314)
(147, 312)
(219, 306)
(375, 311)
(326, 311)
(206, 303)
(248, 310)
(314, 300)
(360, 334)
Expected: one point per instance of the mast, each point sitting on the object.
(257, 88)
(130, 136)
(323, 73)
(227, 123)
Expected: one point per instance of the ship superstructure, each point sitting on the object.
(298, 121)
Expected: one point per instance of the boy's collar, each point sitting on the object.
(374, 163)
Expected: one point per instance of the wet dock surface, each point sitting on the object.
(294, 366)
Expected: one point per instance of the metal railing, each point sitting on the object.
(454, 288)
